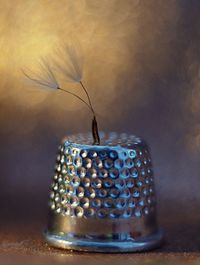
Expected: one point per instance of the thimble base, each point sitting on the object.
(93, 245)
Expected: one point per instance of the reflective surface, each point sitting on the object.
(103, 196)
(127, 245)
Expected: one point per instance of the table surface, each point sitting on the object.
(23, 243)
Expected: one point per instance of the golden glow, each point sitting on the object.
(125, 43)
(32, 29)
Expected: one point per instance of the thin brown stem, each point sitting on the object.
(39, 82)
(95, 131)
(71, 93)
(87, 94)
(55, 85)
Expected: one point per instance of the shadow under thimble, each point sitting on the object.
(103, 197)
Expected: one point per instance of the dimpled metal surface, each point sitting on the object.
(111, 182)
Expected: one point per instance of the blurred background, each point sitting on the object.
(141, 67)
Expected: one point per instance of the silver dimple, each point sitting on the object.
(113, 181)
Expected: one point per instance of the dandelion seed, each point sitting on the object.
(69, 63)
(45, 77)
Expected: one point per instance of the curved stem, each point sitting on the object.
(71, 93)
(87, 94)
(95, 131)
(55, 85)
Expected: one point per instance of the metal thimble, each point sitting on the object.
(102, 197)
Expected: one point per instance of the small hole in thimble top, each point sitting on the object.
(136, 193)
(125, 193)
(55, 177)
(83, 153)
(123, 155)
(60, 179)
(91, 193)
(69, 190)
(146, 210)
(52, 194)
(108, 203)
(55, 186)
(96, 203)
(130, 183)
(132, 203)
(69, 160)
(64, 199)
(133, 172)
(113, 173)
(89, 212)
(115, 213)
(78, 211)
(103, 154)
(108, 163)
(124, 173)
(119, 163)
(129, 163)
(74, 201)
(52, 205)
(113, 154)
(127, 213)
(85, 182)
(114, 193)
(120, 184)
(75, 181)
(120, 203)
(132, 153)
(103, 173)
(141, 202)
(67, 151)
(149, 200)
(97, 163)
(57, 197)
(61, 189)
(102, 193)
(67, 210)
(102, 213)
(143, 172)
(87, 162)
(85, 202)
(96, 183)
(138, 162)
(58, 167)
(91, 172)
(78, 162)
(80, 192)
(138, 212)
(108, 183)
(81, 172)
(147, 180)
(92, 154)
(58, 158)
(58, 209)
(139, 183)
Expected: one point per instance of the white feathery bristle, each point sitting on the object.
(69, 63)
(44, 77)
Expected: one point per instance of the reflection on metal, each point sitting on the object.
(102, 197)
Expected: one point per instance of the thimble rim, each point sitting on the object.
(107, 246)
(112, 140)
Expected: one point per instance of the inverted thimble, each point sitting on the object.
(102, 197)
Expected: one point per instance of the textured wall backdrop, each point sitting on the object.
(142, 71)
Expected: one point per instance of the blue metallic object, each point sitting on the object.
(102, 196)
